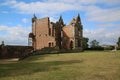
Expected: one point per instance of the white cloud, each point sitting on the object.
(2, 28)
(53, 19)
(103, 15)
(110, 2)
(25, 20)
(51, 7)
(109, 25)
(16, 35)
(87, 2)
(107, 12)
(105, 35)
(42, 7)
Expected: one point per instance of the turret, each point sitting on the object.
(78, 19)
(61, 21)
(2, 45)
(2, 42)
(78, 22)
(34, 18)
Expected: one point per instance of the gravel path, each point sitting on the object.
(9, 60)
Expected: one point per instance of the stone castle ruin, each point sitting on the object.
(49, 34)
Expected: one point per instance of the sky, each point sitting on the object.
(100, 18)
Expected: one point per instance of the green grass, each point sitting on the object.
(88, 65)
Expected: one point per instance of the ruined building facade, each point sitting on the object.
(48, 34)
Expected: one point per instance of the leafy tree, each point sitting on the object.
(118, 43)
(85, 42)
(94, 44)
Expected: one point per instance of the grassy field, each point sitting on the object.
(88, 65)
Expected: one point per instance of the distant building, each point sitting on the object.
(49, 34)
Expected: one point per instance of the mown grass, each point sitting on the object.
(88, 65)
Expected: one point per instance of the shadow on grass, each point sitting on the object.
(26, 68)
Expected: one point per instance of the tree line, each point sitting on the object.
(94, 45)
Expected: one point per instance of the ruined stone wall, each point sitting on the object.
(68, 36)
(49, 34)
(43, 34)
(11, 51)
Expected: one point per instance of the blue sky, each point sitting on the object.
(100, 18)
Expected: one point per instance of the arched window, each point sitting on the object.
(49, 44)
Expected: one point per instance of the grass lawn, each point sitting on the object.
(87, 65)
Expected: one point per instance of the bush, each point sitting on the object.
(96, 48)
(118, 48)
(108, 48)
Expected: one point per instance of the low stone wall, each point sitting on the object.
(11, 51)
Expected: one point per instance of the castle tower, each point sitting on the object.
(73, 34)
(42, 33)
(78, 32)
(48, 34)
(59, 32)
(78, 20)
(33, 34)
(61, 21)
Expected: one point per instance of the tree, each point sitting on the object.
(94, 44)
(118, 43)
(85, 42)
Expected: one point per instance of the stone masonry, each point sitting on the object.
(48, 34)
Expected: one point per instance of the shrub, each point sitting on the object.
(118, 48)
(96, 48)
(108, 48)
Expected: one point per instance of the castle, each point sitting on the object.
(49, 34)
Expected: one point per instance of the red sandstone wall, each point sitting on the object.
(12, 51)
(42, 34)
(69, 36)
